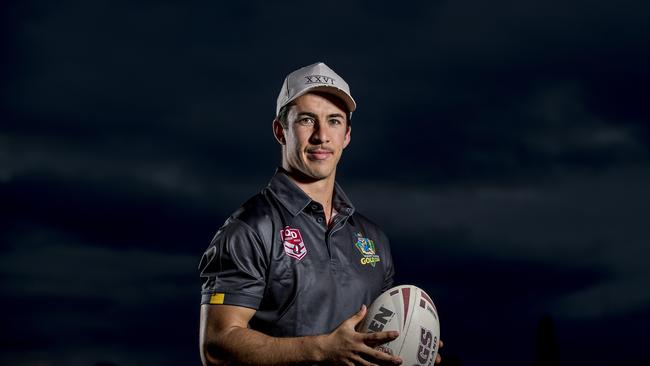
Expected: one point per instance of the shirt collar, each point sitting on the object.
(296, 200)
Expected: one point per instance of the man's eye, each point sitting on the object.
(306, 121)
(335, 121)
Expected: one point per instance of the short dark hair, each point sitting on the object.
(284, 114)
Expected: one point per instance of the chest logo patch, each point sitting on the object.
(294, 247)
(367, 248)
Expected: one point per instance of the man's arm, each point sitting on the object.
(226, 339)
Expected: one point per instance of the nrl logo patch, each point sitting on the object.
(367, 249)
(294, 247)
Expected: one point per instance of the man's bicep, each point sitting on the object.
(216, 322)
(222, 317)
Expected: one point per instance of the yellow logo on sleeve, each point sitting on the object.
(217, 298)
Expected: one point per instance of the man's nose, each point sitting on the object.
(321, 134)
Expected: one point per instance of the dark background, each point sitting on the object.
(504, 146)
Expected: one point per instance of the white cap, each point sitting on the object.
(315, 77)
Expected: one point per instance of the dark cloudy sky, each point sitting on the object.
(504, 146)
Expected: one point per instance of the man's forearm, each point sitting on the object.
(244, 346)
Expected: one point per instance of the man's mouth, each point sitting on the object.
(319, 154)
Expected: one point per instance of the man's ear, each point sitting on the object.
(278, 132)
(348, 137)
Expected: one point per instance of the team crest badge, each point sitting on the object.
(367, 248)
(294, 247)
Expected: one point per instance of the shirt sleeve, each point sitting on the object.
(233, 268)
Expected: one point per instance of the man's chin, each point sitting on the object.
(315, 175)
(312, 175)
(322, 172)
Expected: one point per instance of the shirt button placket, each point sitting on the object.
(336, 225)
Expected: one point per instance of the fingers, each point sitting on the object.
(379, 357)
(438, 357)
(373, 356)
(363, 344)
(369, 351)
(375, 339)
(358, 360)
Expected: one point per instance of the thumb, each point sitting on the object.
(358, 317)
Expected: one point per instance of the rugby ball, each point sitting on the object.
(410, 311)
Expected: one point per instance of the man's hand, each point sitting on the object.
(347, 346)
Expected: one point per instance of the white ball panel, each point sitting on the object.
(410, 311)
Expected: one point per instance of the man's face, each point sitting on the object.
(316, 134)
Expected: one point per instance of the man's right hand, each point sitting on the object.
(348, 347)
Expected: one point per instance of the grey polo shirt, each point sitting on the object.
(277, 255)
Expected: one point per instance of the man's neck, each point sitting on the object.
(321, 191)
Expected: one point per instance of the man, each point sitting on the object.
(285, 279)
